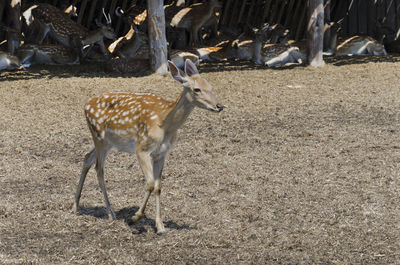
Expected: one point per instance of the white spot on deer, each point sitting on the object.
(106, 96)
(127, 119)
(92, 110)
(103, 105)
(97, 114)
(87, 107)
(98, 127)
(153, 117)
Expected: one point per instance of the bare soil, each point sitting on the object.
(302, 167)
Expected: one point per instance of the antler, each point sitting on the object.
(108, 19)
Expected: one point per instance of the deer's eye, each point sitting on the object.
(197, 90)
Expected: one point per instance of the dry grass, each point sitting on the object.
(301, 167)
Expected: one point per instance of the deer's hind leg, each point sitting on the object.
(89, 160)
(101, 154)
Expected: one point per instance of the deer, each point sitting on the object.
(9, 61)
(47, 54)
(50, 20)
(144, 124)
(130, 44)
(355, 45)
(269, 54)
(179, 58)
(194, 17)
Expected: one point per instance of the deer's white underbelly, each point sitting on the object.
(122, 142)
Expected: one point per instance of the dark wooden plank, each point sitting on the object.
(274, 10)
(258, 13)
(2, 7)
(353, 18)
(250, 12)
(242, 9)
(112, 9)
(157, 37)
(82, 11)
(226, 12)
(390, 15)
(296, 16)
(362, 17)
(315, 32)
(371, 14)
(381, 12)
(119, 19)
(282, 8)
(266, 11)
(91, 13)
(303, 22)
(233, 19)
(397, 4)
(289, 13)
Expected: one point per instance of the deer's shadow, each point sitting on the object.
(126, 214)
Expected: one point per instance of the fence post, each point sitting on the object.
(157, 37)
(315, 32)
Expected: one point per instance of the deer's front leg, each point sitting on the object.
(158, 167)
(146, 164)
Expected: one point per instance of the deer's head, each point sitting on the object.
(106, 30)
(199, 91)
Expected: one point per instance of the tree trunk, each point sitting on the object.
(315, 32)
(157, 38)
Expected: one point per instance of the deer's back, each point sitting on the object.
(58, 21)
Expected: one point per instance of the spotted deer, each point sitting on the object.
(47, 19)
(47, 54)
(268, 54)
(143, 124)
(192, 18)
(355, 45)
(130, 44)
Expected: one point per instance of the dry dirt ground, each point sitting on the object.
(302, 167)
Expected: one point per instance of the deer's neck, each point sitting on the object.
(179, 112)
(93, 37)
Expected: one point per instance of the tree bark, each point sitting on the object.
(157, 37)
(315, 32)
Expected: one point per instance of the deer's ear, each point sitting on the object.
(176, 73)
(190, 68)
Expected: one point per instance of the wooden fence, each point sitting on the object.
(359, 16)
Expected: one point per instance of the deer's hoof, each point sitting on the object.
(75, 208)
(137, 217)
(161, 232)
